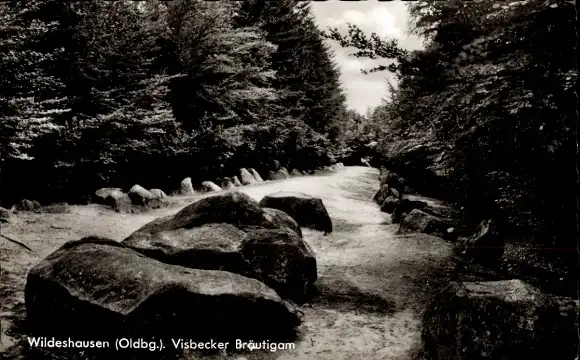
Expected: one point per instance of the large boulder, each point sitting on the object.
(102, 194)
(186, 187)
(236, 181)
(384, 192)
(506, 319)
(402, 207)
(119, 201)
(282, 260)
(420, 221)
(283, 220)
(94, 284)
(281, 174)
(158, 193)
(383, 172)
(160, 224)
(210, 186)
(389, 204)
(142, 197)
(246, 177)
(226, 247)
(256, 175)
(227, 183)
(486, 245)
(5, 215)
(28, 206)
(295, 173)
(208, 247)
(233, 207)
(392, 180)
(308, 211)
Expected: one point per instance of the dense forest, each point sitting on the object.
(97, 93)
(485, 115)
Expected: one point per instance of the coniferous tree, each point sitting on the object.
(306, 75)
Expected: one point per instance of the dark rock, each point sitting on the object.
(5, 215)
(384, 192)
(186, 187)
(209, 247)
(94, 284)
(234, 208)
(246, 177)
(158, 193)
(506, 319)
(256, 175)
(392, 180)
(28, 205)
(282, 260)
(160, 224)
(295, 173)
(142, 197)
(486, 244)
(119, 201)
(58, 208)
(228, 184)
(101, 195)
(209, 186)
(383, 172)
(284, 220)
(404, 206)
(236, 181)
(281, 174)
(308, 211)
(389, 204)
(420, 221)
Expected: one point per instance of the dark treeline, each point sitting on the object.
(100, 93)
(485, 115)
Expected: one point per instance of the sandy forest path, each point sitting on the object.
(373, 283)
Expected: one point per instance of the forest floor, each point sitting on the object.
(374, 284)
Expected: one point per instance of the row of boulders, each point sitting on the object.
(412, 214)
(417, 215)
(139, 198)
(507, 319)
(219, 268)
(136, 197)
(33, 206)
